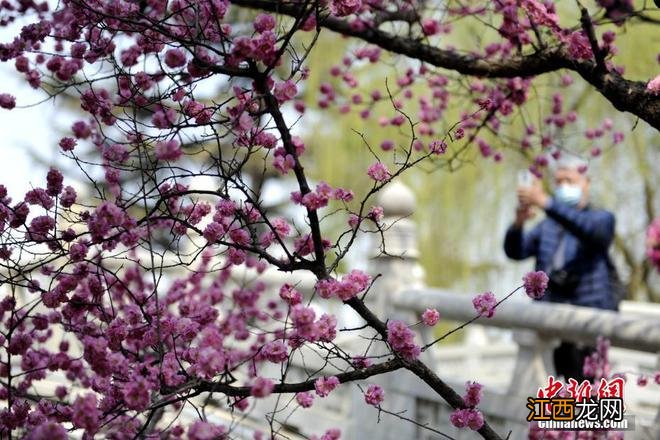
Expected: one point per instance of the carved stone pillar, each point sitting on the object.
(395, 260)
(533, 363)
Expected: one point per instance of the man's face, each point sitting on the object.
(571, 176)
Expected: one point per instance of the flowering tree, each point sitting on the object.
(124, 292)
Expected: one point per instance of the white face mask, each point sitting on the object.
(568, 194)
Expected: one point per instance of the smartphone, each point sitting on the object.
(525, 178)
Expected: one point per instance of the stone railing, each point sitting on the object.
(537, 328)
(511, 367)
(511, 370)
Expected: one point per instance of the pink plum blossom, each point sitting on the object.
(325, 385)
(485, 304)
(374, 395)
(430, 317)
(535, 284)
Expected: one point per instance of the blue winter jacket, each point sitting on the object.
(589, 233)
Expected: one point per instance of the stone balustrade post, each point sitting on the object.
(533, 362)
(395, 259)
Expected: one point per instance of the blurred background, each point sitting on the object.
(463, 210)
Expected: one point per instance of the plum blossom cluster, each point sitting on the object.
(402, 340)
(535, 284)
(325, 385)
(307, 328)
(374, 395)
(470, 416)
(473, 393)
(378, 172)
(467, 418)
(7, 101)
(485, 304)
(342, 8)
(349, 286)
(319, 198)
(430, 317)
(305, 399)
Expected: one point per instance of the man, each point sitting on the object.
(571, 245)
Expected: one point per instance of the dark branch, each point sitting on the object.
(625, 95)
(588, 28)
(300, 387)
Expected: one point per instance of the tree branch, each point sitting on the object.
(307, 385)
(625, 95)
(588, 28)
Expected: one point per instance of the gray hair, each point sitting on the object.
(571, 162)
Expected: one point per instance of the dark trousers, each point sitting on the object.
(569, 360)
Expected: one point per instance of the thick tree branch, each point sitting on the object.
(625, 95)
(541, 62)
